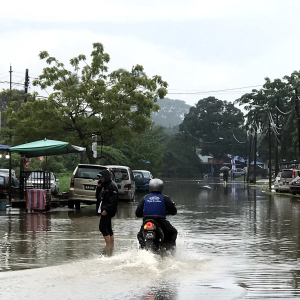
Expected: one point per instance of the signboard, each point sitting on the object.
(215, 161)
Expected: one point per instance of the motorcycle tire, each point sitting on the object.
(149, 245)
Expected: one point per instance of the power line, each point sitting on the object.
(12, 82)
(215, 91)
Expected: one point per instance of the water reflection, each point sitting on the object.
(37, 222)
(232, 241)
(161, 290)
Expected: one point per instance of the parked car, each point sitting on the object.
(139, 181)
(260, 172)
(142, 185)
(4, 185)
(125, 181)
(276, 182)
(287, 175)
(83, 184)
(237, 173)
(13, 172)
(295, 186)
(36, 181)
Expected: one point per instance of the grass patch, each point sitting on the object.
(64, 181)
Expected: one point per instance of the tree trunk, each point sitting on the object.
(89, 154)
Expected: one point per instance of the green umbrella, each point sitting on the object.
(45, 148)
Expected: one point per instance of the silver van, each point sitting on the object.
(83, 184)
(287, 175)
(125, 181)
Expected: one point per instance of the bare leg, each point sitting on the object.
(107, 240)
(109, 245)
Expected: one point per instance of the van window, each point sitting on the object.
(138, 175)
(146, 174)
(88, 172)
(123, 174)
(287, 174)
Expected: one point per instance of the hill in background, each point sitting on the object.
(171, 112)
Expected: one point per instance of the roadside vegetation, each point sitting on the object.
(89, 104)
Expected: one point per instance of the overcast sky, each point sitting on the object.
(196, 46)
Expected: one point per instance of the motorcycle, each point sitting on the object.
(153, 238)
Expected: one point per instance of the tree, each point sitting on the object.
(269, 110)
(293, 86)
(181, 159)
(147, 150)
(87, 101)
(212, 119)
(6, 97)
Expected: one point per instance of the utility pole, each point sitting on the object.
(26, 84)
(10, 76)
(9, 172)
(249, 156)
(296, 103)
(255, 150)
(270, 156)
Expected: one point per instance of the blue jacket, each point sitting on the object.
(155, 205)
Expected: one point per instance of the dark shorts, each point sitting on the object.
(105, 226)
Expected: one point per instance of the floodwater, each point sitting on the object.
(233, 243)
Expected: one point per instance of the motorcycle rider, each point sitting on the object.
(156, 206)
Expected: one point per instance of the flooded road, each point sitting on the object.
(233, 243)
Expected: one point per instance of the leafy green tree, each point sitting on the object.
(181, 159)
(147, 150)
(112, 156)
(213, 124)
(6, 97)
(269, 110)
(87, 101)
(293, 87)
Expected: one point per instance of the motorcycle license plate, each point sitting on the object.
(149, 235)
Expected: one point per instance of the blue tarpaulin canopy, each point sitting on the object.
(4, 147)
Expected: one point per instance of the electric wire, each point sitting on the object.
(202, 92)
(282, 111)
(12, 82)
(238, 140)
(201, 140)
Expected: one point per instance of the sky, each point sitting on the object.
(201, 48)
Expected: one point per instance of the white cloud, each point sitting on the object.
(130, 10)
(176, 58)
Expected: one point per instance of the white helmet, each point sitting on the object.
(156, 185)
